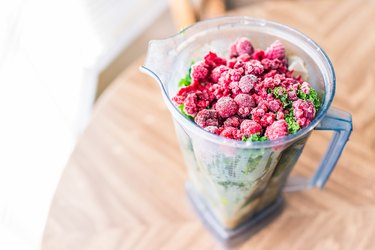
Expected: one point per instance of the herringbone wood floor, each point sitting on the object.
(123, 187)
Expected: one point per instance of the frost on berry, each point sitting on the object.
(207, 118)
(277, 130)
(275, 51)
(245, 104)
(190, 104)
(217, 72)
(267, 119)
(305, 88)
(274, 105)
(250, 127)
(244, 46)
(226, 107)
(230, 133)
(247, 83)
(253, 67)
(213, 129)
(304, 112)
(199, 71)
(240, 47)
(232, 121)
(213, 60)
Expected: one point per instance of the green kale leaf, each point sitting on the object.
(255, 137)
(293, 126)
(186, 81)
(281, 94)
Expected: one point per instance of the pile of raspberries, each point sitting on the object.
(237, 98)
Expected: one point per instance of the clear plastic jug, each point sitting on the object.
(237, 180)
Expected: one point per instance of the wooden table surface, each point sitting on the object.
(123, 187)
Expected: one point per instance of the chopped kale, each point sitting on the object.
(293, 126)
(255, 137)
(186, 81)
(281, 94)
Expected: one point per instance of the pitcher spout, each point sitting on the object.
(159, 59)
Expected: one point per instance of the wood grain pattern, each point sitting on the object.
(124, 185)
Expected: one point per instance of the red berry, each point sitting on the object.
(277, 130)
(250, 127)
(226, 107)
(199, 71)
(247, 83)
(207, 118)
(304, 112)
(230, 133)
(245, 104)
(232, 121)
(275, 51)
(213, 129)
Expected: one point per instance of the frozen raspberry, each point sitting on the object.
(190, 104)
(275, 51)
(258, 54)
(234, 88)
(238, 65)
(247, 82)
(213, 129)
(232, 121)
(288, 81)
(273, 64)
(207, 118)
(236, 74)
(241, 46)
(181, 95)
(304, 112)
(259, 111)
(271, 82)
(205, 97)
(231, 63)
(267, 119)
(305, 88)
(244, 58)
(217, 72)
(274, 105)
(244, 46)
(199, 71)
(225, 79)
(226, 107)
(280, 116)
(253, 67)
(213, 60)
(219, 91)
(245, 104)
(256, 98)
(292, 95)
(230, 133)
(262, 92)
(277, 130)
(250, 127)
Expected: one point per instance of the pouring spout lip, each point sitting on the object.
(151, 73)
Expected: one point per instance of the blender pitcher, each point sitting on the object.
(232, 183)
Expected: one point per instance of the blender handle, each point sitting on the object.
(340, 122)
